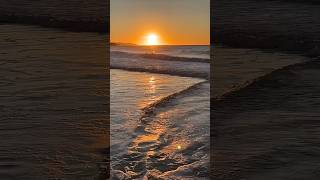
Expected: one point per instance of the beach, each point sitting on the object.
(160, 112)
(264, 95)
(268, 127)
(57, 64)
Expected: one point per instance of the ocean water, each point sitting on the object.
(54, 118)
(160, 122)
(163, 59)
(177, 51)
(53, 107)
(235, 68)
(263, 105)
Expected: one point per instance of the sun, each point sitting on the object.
(152, 39)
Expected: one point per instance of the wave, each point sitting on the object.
(242, 94)
(159, 56)
(203, 75)
(169, 166)
(148, 110)
(161, 64)
(260, 81)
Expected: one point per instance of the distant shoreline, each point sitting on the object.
(132, 44)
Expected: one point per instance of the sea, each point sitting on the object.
(160, 104)
(53, 104)
(160, 112)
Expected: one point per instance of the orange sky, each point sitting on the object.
(176, 22)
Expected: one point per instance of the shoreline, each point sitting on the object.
(152, 115)
(203, 76)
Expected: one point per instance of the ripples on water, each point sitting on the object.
(178, 51)
(160, 123)
(54, 119)
(133, 91)
(141, 145)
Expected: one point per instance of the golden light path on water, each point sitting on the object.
(150, 90)
(155, 141)
(155, 130)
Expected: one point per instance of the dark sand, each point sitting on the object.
(269, 130)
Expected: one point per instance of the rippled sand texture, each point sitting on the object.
(54, 111)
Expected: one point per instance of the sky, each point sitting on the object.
(173, 22)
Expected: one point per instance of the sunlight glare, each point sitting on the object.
(152, 39)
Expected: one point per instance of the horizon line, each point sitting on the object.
(133, 44)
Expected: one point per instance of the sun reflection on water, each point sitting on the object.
(157, 139)
(152, 85)
(156, 136)
(150, 91)
(152, 79)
